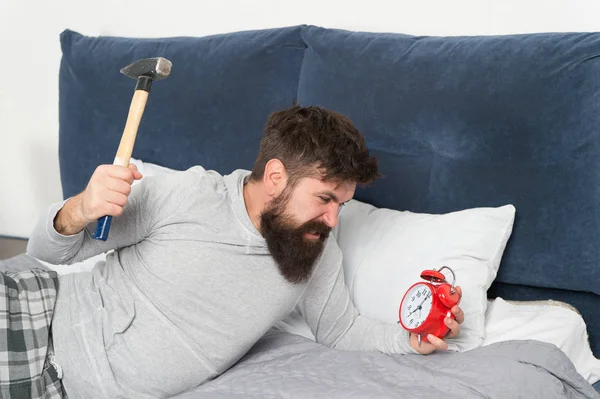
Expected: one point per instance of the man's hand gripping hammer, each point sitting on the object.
(145, 72)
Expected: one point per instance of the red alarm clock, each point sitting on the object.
(426, 304)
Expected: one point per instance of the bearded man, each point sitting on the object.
(204, 264)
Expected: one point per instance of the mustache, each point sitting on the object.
(313, 226)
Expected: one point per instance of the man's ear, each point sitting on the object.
(275, 178)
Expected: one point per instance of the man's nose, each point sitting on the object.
(331, 216)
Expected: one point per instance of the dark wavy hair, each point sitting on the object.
(315, 142)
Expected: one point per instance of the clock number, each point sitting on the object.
(419, 294)
(409, 307)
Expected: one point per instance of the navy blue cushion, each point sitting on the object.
(211, 110)
(461, 122)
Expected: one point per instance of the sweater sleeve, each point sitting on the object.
(50, 246)
(333, 318)
(150, 200)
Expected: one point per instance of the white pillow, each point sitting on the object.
(547, 321)
(150, 169)
(77, 267)
(386, 250)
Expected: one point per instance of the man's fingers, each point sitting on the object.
(438, 343)
(118, 185)
(458, 314)
(453, 326)
(459, 292)
(136, 173)
(121, 172)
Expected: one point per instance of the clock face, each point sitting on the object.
(416, 306)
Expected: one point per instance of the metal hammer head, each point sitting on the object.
(148, 70)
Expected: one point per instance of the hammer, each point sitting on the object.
(145, 71)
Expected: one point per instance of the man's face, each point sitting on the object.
(297, 223)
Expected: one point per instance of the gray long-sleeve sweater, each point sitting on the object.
(189, 289)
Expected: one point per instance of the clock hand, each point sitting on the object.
(417, 308)
(424, 299)
(420, 305)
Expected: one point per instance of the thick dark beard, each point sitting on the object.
(294, 253)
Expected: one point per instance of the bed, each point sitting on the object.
(496, 132)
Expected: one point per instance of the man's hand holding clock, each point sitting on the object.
(436, 343)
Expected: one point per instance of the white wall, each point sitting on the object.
(30, 56)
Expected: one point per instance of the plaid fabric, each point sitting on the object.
(26, 306)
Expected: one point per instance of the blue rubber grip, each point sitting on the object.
(102, 228)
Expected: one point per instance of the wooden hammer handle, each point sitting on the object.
(136, 110)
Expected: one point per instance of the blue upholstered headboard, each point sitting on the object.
(456, 122)
(211, 109)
